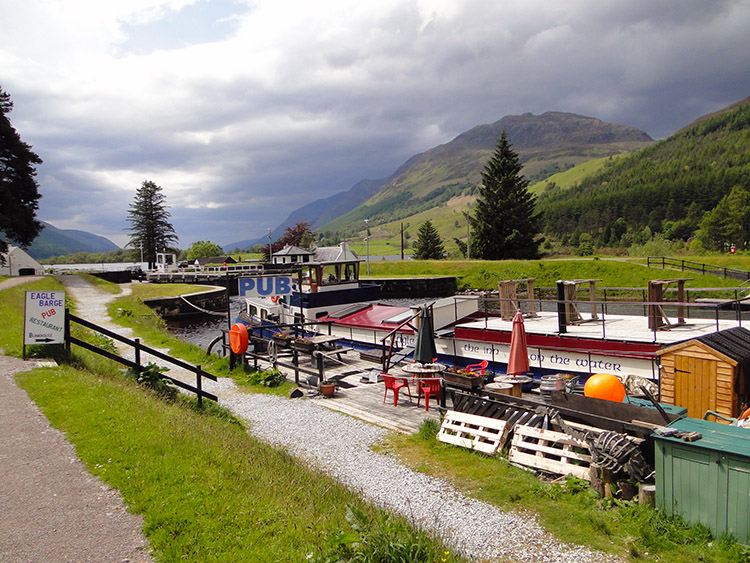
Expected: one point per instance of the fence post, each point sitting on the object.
(199, 385)
(321, 370)
(137, 349)
(295, 361)
(67, 331)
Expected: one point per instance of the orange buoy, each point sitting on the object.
(238, 338)
(604, 386)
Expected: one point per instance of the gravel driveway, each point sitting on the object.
(341, 446)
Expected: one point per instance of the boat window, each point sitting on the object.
(253, 310)
(263, 314)
(329, 274)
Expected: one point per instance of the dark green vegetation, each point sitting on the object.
(150, 229)
(667, 187)
(504, 222)
(19, 191)
(429, 245)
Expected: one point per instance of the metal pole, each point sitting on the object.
(402, 240)
(367, 239)
(229, 315)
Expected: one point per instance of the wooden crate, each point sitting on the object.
(550, 451)
(471, 431)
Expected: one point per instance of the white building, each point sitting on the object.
(19, 263)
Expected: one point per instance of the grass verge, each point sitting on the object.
(130, 311)
(207, 490)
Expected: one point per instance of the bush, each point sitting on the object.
(271, 377)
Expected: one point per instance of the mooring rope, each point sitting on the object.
(206, 311)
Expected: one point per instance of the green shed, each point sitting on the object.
(706, 481)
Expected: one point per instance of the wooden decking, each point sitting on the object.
(358, 398)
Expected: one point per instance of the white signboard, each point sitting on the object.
(265, 286)
(44, 317)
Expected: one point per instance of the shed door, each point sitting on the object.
(695, 385)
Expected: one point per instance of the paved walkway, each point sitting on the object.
(51, 508)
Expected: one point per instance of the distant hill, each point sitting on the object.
(445, 177)
(56, 242)
(319, 212)
(673, 181)
(713, 114)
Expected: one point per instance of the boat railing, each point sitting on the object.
(601, 309)
(389, 340)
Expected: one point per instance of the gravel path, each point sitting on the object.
(341, 446)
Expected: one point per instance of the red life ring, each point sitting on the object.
(238, 338)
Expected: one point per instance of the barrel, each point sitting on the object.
(551, 384)
(504, 388)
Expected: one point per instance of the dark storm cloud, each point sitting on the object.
(275, 104)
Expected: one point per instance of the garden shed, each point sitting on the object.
(707, 480)
(708, 373)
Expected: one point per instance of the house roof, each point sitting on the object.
(339, 253)
(292, 251)
(203, 260)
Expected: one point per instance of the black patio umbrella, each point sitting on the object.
(425, 351)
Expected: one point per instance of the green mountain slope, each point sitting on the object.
(56, 242)
(687, 172)
(445, 177)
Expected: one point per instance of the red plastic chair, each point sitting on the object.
(478, 368)
(395, 384)
(429, 386)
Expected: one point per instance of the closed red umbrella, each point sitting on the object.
(518, 362)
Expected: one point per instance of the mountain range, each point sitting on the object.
(56, 242)
(546, 143)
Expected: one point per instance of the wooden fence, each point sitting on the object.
(138, 348)
(686, 265)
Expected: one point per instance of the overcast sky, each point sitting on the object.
(244, 110)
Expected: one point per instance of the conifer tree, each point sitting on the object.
(429, 245)
(19, 191)
(504, 222)
(149, 222)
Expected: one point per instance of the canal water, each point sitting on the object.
(201, 334)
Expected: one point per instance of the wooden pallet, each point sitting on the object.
(553, 452)
(472, 431)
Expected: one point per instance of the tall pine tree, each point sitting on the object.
(149, 222)
(19, 192)
(505, 225)
(429, 245)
